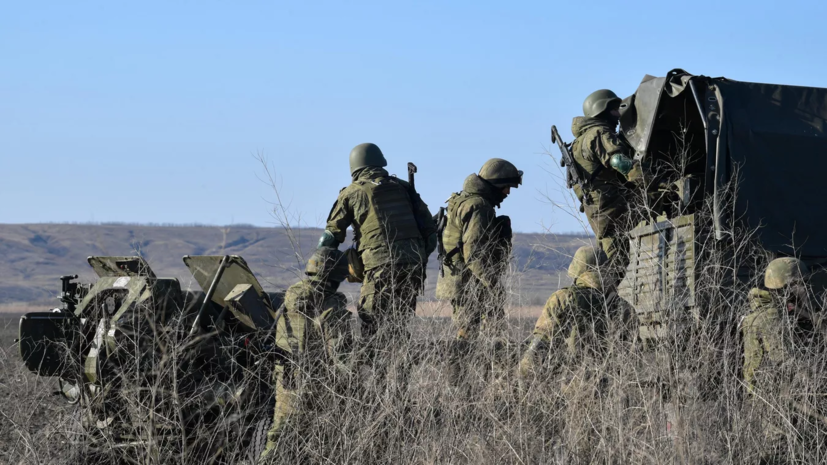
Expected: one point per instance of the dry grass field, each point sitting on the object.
(429, 400)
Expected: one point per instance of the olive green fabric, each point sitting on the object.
(327, 263)
(390, 222)
(606, 201)
(576, 321)
(481, 245)
(616, 249)
(575, 317)
(762, 336)
(387, 301)
(472, 230)
(364, 155)
(287, 405)
(315, 314)
(599, 101)
(781, 326)
(315, 334)
(784, 342)
(478, 308)
(782, 272)
(501, 173)
(585, 259)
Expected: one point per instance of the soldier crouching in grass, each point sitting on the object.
(315, 334)
(572, 338)
(393, 233)
(784, 363)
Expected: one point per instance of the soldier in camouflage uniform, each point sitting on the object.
(477, 243)
(394, 234)
(571, 339)
(784, 340)
(576, 320)
(315, 335)
(782, 321)
(607, 162)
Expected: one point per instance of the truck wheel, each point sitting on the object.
(258, 440)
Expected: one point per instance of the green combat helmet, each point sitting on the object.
(366, 154)
(783, 272)
(327, 263)
(587, 258)
(598, 101)
(501, 173)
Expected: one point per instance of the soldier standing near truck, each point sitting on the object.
(475, 246)
(394, 233)
(606, 163)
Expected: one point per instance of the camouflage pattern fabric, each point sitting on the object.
(576, 323)
(391, 224)
(315, 333)
(481, 242)
(577, 318)
(387, 302)
(606, 204)
(761, 331)
(616, 249)
(783, 371)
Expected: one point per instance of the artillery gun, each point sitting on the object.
(151, 366)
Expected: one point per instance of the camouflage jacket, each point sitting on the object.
(773, 337)
(477, 238)
(579, 318)
(409, 242)
(595, 143)
(312, 312)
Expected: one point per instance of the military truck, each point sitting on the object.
(739, 164)
(152, 366)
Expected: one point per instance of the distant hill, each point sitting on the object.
(35, 255)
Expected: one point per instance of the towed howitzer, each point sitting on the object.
(120, 333)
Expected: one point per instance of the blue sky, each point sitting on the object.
(155, 111)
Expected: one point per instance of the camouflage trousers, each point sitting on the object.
(318, 360)
(387, 302)
(616, 249)
(478, 308)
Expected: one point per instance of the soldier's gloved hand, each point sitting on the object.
(327, 240)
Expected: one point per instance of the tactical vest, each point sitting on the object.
(452, 235)
(390, 216)
(598, 174)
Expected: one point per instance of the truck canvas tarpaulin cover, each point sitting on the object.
(770, 139)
